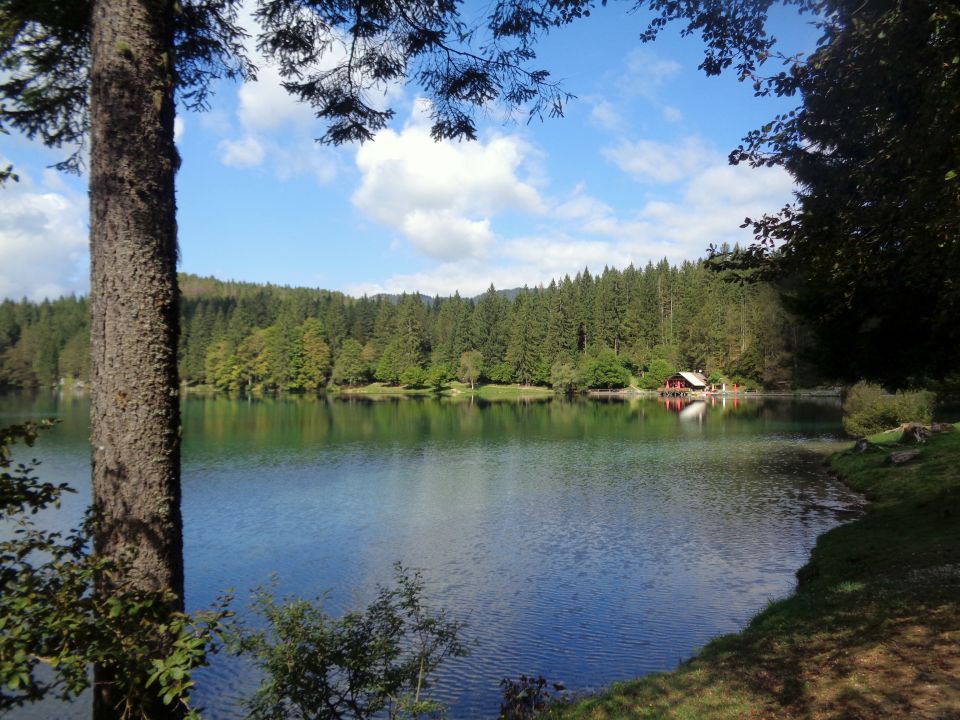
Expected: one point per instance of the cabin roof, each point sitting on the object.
(695, 379)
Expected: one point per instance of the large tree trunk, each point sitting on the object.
(135, 415)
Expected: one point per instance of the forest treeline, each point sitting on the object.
(592, 330)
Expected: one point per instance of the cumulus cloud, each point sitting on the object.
(443, 235)
(442, 196)
(43, 239)
(579, 230)
(648, 160)
(715, 203)
(245, 152)
(264, 104)
(276, 130)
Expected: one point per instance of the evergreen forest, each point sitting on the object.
(592, 330)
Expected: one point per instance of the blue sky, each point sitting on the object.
(635, 171)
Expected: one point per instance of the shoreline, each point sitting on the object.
(872, 629)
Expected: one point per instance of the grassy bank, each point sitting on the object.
(486, 391)
(873, 630)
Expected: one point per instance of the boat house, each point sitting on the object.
(682, 382)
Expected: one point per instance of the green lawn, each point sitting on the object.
(873, 630)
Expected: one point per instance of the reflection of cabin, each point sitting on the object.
(683, 382)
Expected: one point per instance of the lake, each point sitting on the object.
(588, 540)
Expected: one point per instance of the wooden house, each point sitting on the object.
(684, 382)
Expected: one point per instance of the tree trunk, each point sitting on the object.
(135, 414)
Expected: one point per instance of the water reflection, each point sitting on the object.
(588, 541)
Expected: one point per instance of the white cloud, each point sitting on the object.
(672, 114)
(646, 72)
(560, 254)
(245, 152)
(640, 80)
(443, 195)
(442, 235)
(304, 157)
(581, 230)
(648, 160)
(469, 278)
(581, 206)
(276, 130)
(605, 116)
(264, 105)
(43, 239)
(179, 126)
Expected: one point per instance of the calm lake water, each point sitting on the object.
(587, 541)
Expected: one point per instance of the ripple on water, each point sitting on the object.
(584, 542)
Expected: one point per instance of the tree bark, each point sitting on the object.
(135, 414)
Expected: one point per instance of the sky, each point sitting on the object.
(635, 171)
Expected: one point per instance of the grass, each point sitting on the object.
(454, 389)
(872, 631)
(381, 389)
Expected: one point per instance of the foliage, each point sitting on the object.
(869, 253)
(52, 625)
(257, 336)
(471, 367)
(500, 373)
(45, 57)
(566, 377)
(350, 369)
(606, 371)
(867, 409)
(437, 376)
(312, 362)
(526, 697)
(656, 375)
(369, 663)
(388, 367)
(413, 376)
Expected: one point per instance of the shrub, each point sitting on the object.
(867, 409)
(565, 377)
(438, 376)
(54, 625)
(606, 371)
(501, 373)
(413, 376)
(527, 697)
(371, 663)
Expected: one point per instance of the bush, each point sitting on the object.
(867, 409)
(371, 663)
(438, 376)
(501, 373)
(606, 371)
(565, 377)
(54, 625)
(656, 375)
(413, 376)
